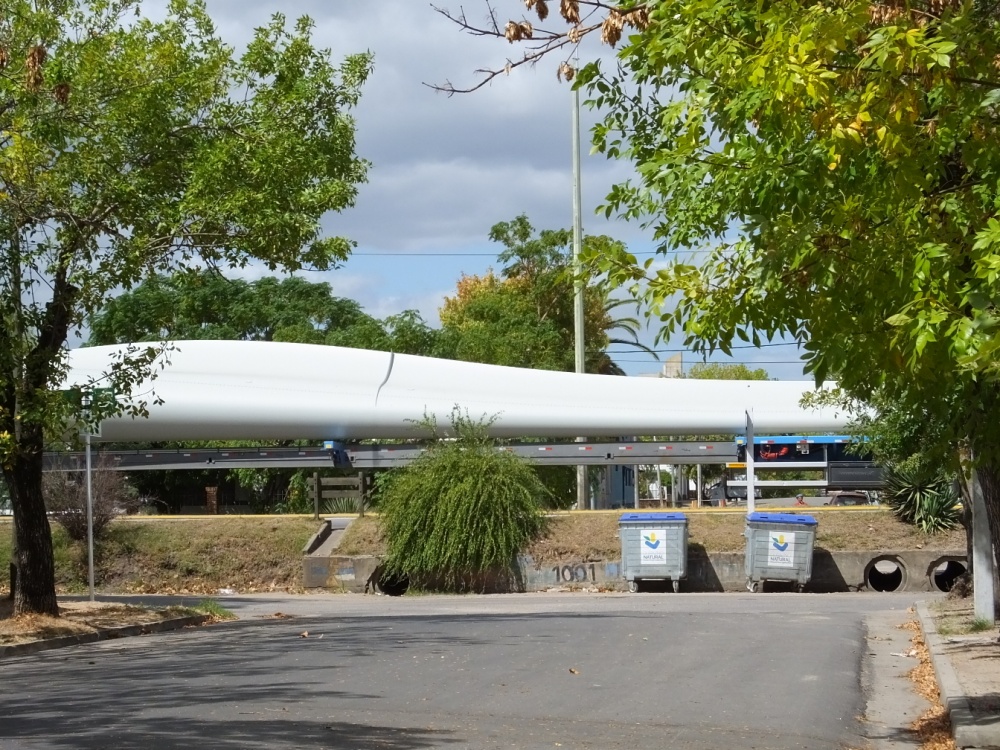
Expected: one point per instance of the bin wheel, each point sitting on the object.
(676, 585)
(633, 587)
(800, 587)
(754, 586)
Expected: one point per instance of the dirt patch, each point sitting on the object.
(933, 726)
(77, 618)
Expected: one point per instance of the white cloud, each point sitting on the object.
(445, 169)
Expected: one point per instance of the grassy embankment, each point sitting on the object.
(202, 555)
(184, 556)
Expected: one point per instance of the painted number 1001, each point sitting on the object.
(575, 573)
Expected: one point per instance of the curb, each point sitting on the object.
(965, 730)
(102, 634)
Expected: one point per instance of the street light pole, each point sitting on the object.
(90, 504)
(581, 471)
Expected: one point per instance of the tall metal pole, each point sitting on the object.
(581, 471)
(90, 522)
(698, 489)
(751, 490)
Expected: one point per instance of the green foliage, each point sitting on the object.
(133, 147)
(524, 317)
(212, 608)
(296, 495)
(725, 371)
(345, 506)
(203, 304)
(927, 501)
(834, 162)
(981, 624)
(463, 509)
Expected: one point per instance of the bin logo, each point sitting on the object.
(653, 547)
(781, 549)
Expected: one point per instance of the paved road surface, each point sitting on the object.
(527, 671)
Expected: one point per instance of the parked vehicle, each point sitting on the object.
(721, 491)
(849, 498)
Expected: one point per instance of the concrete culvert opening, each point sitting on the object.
(944, 575)
(885, 574)
(393, 584)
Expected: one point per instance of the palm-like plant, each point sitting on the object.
(627, 329)
(925, 500)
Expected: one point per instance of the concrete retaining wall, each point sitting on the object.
(338, 572)
(911, 570)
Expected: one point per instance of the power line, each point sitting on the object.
(727, 361)
(738, 346)
(377, 254)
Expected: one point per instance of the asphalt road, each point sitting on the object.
(517, 671)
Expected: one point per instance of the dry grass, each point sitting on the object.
(575, 537)
(953, 616)
(184, 556)
(202, 556)
(75, 618)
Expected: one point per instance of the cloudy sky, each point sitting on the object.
(445, 169)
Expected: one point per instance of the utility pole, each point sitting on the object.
(581, 471)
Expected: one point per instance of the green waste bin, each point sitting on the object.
(654, 548)
(779, 548)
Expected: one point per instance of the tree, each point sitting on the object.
(130, 147)
(524, 316)
(837, 161)
(203, 304)
(725, 371)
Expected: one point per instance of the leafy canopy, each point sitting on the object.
(523, 317)
(847, 149)
(206, 305)
(130, 147)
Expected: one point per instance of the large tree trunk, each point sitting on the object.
(36, 583)
(989, 480)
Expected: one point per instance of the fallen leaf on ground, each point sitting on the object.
(574, 671)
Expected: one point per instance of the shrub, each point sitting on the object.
(465, 508)
(66, 499)
(345, 505)
(929, 502)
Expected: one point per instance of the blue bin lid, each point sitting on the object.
(782, 518)
(651, 517)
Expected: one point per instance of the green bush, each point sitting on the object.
(458, 516)
(925, 500)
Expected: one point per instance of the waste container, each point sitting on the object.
(779, 548)
(654, 548)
